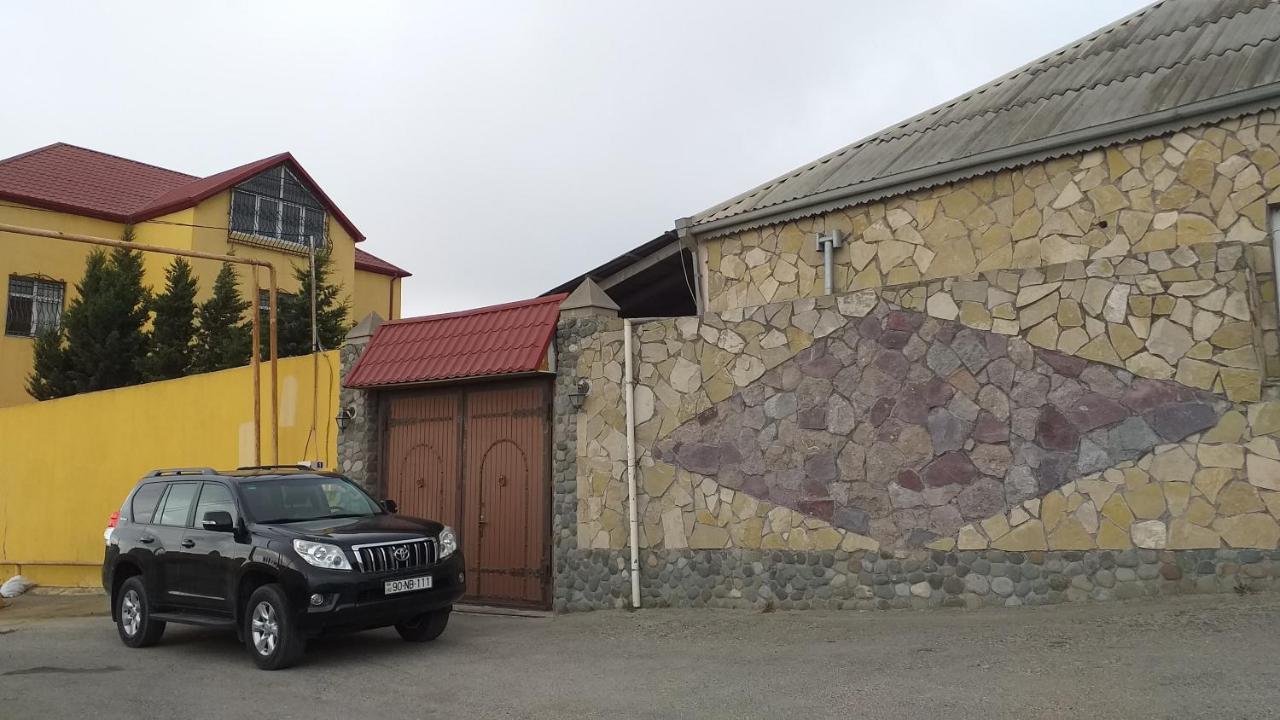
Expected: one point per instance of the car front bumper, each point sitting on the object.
(358, 601)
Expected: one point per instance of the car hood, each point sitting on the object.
(357, 531)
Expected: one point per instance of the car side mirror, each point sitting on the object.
(390, 505)
(217, 521)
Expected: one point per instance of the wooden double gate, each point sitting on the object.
(477, 457)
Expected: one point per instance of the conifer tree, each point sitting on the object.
(105, 325)
(173, 329)
(293, 319)
(224, 337)
(49, 378)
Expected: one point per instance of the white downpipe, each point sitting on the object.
(629, 392)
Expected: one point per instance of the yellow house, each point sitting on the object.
(269, 209)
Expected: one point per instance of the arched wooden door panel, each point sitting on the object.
(507, 486)
(422, 455)
(477, 457)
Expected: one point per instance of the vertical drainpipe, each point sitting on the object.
(629, 392)
(827, 244)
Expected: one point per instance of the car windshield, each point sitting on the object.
(286, 500)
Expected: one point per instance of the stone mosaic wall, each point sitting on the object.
(1204, 185)
(1041, 385)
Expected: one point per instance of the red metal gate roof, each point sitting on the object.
(495, 340)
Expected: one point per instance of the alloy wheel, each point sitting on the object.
(131, 612)
(265, 628)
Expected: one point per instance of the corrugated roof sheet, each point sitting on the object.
(373, 263)
(496, 340)
(1170, 55)
(81, 181)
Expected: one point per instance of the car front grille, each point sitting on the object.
(399, 555)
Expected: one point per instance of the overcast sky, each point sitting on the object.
(496, 150)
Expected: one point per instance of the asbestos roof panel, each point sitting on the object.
(1168, 55)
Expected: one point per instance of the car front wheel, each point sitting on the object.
(133, 616)
(270, 632)
(424, 627)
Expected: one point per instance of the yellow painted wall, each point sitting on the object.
(69, 463)
(375, 293)
(64, 262)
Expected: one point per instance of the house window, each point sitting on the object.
(35, 305)
(264, 300)
(274, 205)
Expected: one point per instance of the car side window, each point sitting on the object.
(177, 504)
(215, 497)
(143, 507)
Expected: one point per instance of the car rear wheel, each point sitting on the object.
(270, 632)
(425, 627)
(133, 616)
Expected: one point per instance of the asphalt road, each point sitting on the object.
(1205, 657)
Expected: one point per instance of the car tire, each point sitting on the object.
(270, 632)
(425, 627)
(133, 615)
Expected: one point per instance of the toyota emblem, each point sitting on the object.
(401, 553)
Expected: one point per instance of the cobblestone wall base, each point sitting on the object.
(597, 579)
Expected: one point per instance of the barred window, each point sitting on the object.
(274, 205)
(35, 305)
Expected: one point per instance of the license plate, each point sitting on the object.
(392, 587)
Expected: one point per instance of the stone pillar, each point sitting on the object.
(581, 316)
(360, 441)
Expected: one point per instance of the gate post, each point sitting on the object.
(584, 313)
(359, 437)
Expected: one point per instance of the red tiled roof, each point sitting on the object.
(77, 180)
(375, 264)
(496, 340)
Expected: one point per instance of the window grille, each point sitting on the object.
(275, 207)
(35, 305)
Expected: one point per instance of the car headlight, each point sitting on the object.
(322, 555)
(448, 542)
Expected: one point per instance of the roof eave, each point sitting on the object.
(1139, 127)
(42, 204)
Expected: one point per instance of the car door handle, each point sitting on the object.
(146, 539)
(188, 543)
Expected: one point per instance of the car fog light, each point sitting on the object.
(317, 600)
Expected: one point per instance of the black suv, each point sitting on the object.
(278, 553)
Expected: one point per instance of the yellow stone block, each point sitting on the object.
(1123, 339)
(1221, 456)
(1238, 498)
(1111, 537)
(995, 526)
(1211, 480)
(1176, 496)
(1026, 537)
(1184, 535)
(825, 539)
(1117, 511)
(1052, 509)
(1200, 512)
(970, 539)
(1257, 530)
(1242, 385)
(1228, 430)
(1146, 502)
(1070, 535)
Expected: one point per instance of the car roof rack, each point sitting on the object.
(282, 466)
(160, 472)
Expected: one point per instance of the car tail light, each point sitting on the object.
(111, 525)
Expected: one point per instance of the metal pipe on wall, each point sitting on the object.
(271, 316)
(629, 392)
